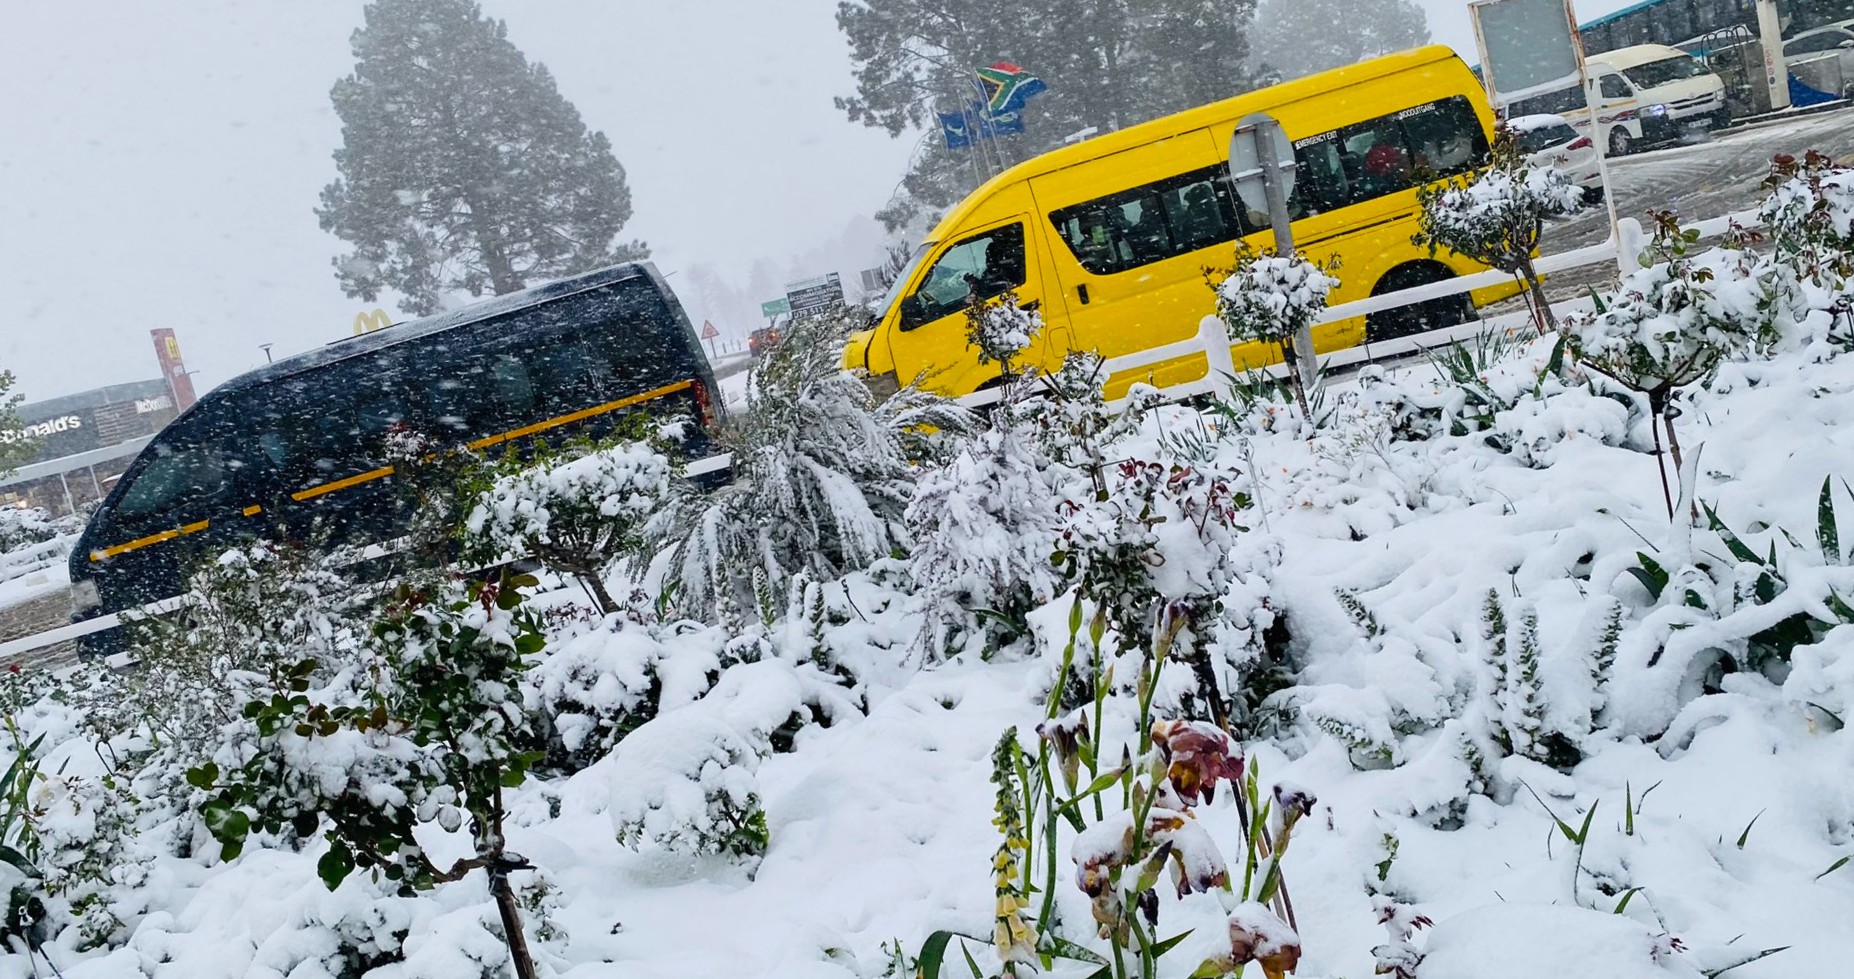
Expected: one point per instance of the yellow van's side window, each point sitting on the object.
(1147, 224)
(1370, 159)
(986, 264)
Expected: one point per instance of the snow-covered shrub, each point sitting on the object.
(430, 729)
(1000, 329)
(1670, 324)
(24, 527)
(984, 525)
(821, 480)
(1269, 298)
(1497, 217)
(254, 608)
(596, 687)
(1809, 211)
(685, 781)
(575, 514)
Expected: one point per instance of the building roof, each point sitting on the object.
(114, 394)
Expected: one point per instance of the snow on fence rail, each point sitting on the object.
(1212, 341)
(23, 561)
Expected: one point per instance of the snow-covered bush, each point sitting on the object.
(596, 687)
(253, 609)
(1269, 298)
(575, 514)
(431, 729)
(983, 525)
(685, 781)
(23, 527)
(1000, 329)
(1670, 324)
(821, 480)
(1809, 211)
(1497, 217)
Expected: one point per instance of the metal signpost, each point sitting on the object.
(1262, 169)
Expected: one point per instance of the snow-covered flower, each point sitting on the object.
(1066, 735)
(1258, 935)
(1196, 754)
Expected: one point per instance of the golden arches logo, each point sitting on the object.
(368, 322)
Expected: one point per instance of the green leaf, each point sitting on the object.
(1556, 363)
(1652, 576)
(1583, 832)
(1062, 948)
(1746, 835)
(203, 777)
(1837, 865)
(1623, 905)
(335, 865)
(971, 963)
(1732, 543)
(1825, 525)
(1100, 784)
(19, 861)
(933, 952)
(1563, 827)
(1628, 816)
(1746, 960)
(1169, 944)
(1210, 969)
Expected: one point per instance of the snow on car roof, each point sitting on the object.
(1540, 120)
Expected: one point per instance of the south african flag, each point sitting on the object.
(1007, 87)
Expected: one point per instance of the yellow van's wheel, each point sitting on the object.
(1419, 317)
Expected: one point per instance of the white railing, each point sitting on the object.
(1211, 342)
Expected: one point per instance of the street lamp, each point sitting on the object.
(266, 348)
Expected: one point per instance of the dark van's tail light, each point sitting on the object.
(1580, 143)
(704, 404)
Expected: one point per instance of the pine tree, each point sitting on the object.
(12, 452)
(1300, 37)
(462, 167)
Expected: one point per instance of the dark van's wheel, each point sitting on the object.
(1420, 317)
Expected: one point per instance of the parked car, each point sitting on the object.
(1549, 141)
(1810, 46)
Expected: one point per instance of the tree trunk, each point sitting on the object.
(1547, 322)
(502, 277)
(511, 923)
(597, 583)
(1300, 390)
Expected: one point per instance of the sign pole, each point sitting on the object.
(1260, 150)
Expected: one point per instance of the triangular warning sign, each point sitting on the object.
(708, 330)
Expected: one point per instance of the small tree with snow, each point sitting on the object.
(821, 480)
(1498, 217)
(1269, 299)
(1809, 209)
(430, 730)
(1670, 324)
(576, 515)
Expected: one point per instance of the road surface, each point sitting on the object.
(1699, 181)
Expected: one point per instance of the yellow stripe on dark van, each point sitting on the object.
(584, 414)
(385, 471)
(140, 542)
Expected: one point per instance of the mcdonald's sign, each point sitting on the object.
(367, 322)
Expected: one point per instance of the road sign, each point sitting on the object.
(708, 330)
(815, 295)
(776, 308)
(1255, 136)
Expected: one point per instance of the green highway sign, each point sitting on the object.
(778, 307)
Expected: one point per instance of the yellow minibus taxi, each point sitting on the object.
(1109, 238)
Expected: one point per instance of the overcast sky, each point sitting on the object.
(159, 160)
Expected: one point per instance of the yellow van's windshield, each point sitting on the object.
(902, 277)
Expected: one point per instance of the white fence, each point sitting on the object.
(1212, 342)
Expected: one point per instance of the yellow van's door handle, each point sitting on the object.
(1081, 292)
